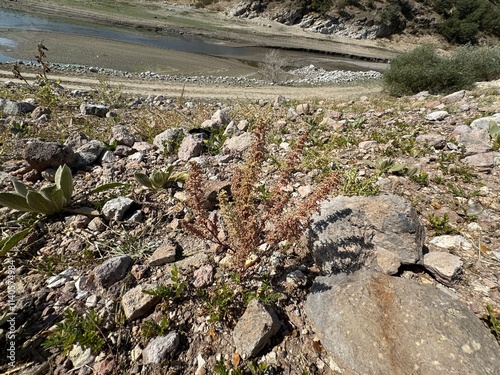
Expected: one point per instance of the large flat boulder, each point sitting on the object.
(378, 232)
(373, 323)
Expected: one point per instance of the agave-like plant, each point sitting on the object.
(161, 179)
(49, 200)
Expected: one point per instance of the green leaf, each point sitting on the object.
(396, 168)
(58, 199)
(143, 180)
(106, 187)
(8, 243)
(179, 177)
(39, 203)
(14, 201)
(159, 179)
(64, 181)
(20, 188)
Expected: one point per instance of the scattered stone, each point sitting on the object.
(112, 270)
(351, 233)
(220, 117)
(139, 271)
(80, 357)
(13, 108)
(192, 146)
(89, 153)
(437, 116)
(445, 267)
(485, 122)
(363, 317)
(136, 303)
(296, 277)
(238, 144)
(168, 140)
(447, 241)
(122, 136)
(115, 209)
(475, 142)
(61, 278)
(158, 348)
(96, 225)
(303, 109)
(254, 329)
(162, 255)
(107, 366)
(203, 276)
(435, 141)
(367, 146)
(454, 97)
(484, 162)
(93, 110)
(42, 155)
(39, 112)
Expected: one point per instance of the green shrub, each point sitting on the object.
(422, 69)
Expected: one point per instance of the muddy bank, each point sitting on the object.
(213, 27)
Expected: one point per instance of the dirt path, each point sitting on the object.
(209, 91)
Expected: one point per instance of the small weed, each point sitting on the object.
(421, 178)
(493, 322)
(264, 293)
(353, 185)
(161, 179)
(441, 225)
(220, 303)
(215, 141)
(77, 329)
(150, 328)
(169, 292)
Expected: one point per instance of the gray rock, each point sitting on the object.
(41, 155)
(475, 142)
(122, 136)
(231, 130)
(447, 241)
(454, 97)
(13, 108)
(220, 117)
(255, 328)
(39, 112)
(203, 276)
(89, 153)
(158, 348)
(239, 143)
(437, 116)
(61, 278)
(115, 209)
(136, 303)
(351, 233)
(445, 267)
(98, 110)
(484, 122)
(112, 270)
(167, 140)
(162, 255)
(484, 161)
(243, 125)
(192, 146)
(433, 140)
(333, 124)
(303, 109)
(372, 323)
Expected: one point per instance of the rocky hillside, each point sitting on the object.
(121, 268)
(460, 21)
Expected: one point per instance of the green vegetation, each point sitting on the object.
(150, 328)
(441, 225)
(493, 322)
(78, 329)
(49, 200)
(161, 179)
(171, 292)
(465, 20)
(423, 69)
